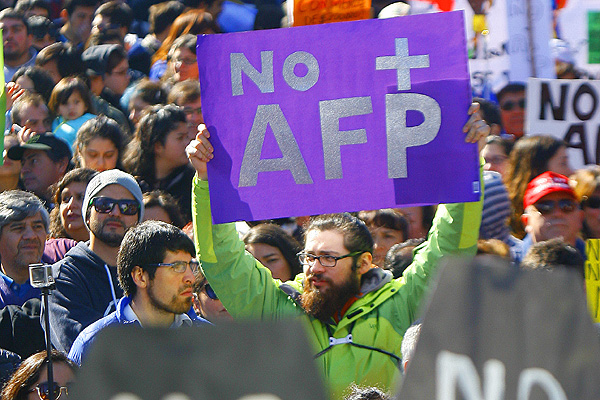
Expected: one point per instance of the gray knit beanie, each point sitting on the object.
(111, 177)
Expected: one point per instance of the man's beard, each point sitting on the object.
(111, 239)
(175, 305)
(324, 306)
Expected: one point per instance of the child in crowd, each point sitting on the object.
(71, 102)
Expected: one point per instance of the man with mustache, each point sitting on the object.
(156, 269)
(23, 228)
(355, 312)
(86, 279)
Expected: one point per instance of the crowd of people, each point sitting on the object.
(104, 177)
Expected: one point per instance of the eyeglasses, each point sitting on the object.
(547, 206)
(44, 393)
(591, 202)
(104, 205)
(509, 105)
(210, 292)
(180, 266)
(325, 260)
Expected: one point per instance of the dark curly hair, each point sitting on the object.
(154, 127)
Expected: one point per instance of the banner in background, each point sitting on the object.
(313, 12)
(492, 331)
(325, 118)
(568, 110)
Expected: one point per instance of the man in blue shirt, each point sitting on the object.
(23, 229)
(156, 270)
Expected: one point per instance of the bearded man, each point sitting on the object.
(156, 268)
(356, 313)
(86, 279)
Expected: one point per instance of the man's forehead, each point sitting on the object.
(31, 153)
(35, 218)
(114, 189)
(10, 22)
(556, 196)
(325, 241)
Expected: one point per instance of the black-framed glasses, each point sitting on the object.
(326, 260)
(180, 266)
(44, 392)
(104, 205)
(548, 206)
(210, 292)
(509, 105)
(591, 202)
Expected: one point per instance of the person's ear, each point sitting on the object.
(140, 277)
(364, 262)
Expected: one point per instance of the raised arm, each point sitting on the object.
(245, 287)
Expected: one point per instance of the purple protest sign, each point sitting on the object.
(338, 117)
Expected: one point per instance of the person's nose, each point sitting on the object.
(316, 268)
(188, 275)
(115, 210)
(29, 233)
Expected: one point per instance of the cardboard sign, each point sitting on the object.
(494, 332)
(577, 25)
(592, 277)
(258, 361)
(568, 110)
(313, 12)
(523, 62)
(324, 118)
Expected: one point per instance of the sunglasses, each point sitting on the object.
(509, 105)
(104, 205)
(210, 292)
(591, 202)
(547, 206)
(44, 392)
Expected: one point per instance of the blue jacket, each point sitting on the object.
(86, 337)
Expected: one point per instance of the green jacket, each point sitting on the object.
(377, 320)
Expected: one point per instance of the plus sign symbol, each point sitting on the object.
(402, 63)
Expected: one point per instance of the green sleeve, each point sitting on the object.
(245, 287)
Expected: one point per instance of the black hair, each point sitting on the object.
(80, 175)
(274, 235)
(42, 81)
(11, 13)
(154, 127)
(387, 218)
(163, 14)
(71, 5)
(100, 127)
(145, 244)
(166, 202)
(118, 12)
(554, 253)
(490, 111)
(356, 234)
(513, 87)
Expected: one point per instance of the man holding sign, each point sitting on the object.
(356, 313)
